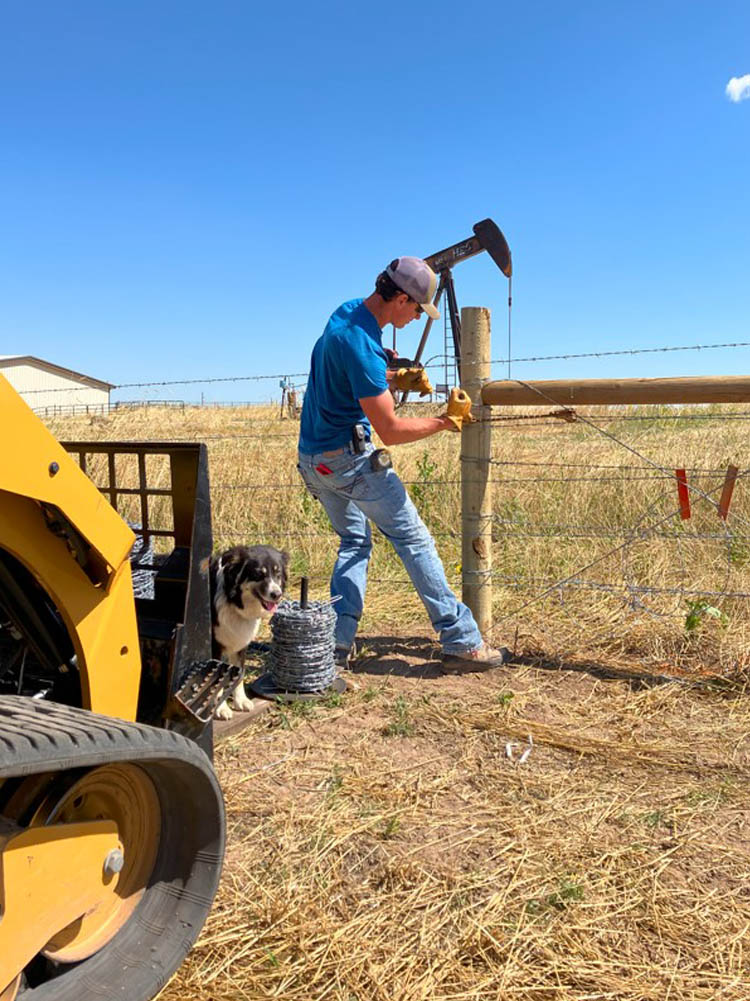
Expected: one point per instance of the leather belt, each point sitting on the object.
(340, 451)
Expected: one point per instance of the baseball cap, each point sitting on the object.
(417, 279)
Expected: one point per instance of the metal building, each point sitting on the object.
(50, 389)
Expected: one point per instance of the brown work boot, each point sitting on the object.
(484, 658)
(345, 657)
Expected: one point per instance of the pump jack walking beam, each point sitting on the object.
(487, 236)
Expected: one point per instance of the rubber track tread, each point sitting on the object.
(38, 736)
(42, 737)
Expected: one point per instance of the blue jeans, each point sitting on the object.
(351, 494)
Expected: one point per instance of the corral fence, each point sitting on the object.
(102, 409)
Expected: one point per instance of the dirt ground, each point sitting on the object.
(534, 832)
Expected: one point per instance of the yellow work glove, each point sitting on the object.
(412, 380)
(459, 409)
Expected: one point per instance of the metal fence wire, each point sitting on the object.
(593, 545)
(590, 544)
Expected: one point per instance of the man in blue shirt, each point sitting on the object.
(349, 385)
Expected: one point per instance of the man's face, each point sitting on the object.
(405, 311)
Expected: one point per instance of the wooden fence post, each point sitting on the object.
(476, 482)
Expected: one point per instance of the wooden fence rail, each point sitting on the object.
(579, 392)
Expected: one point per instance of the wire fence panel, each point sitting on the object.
(591, 557)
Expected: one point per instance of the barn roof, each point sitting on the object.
(48, 366)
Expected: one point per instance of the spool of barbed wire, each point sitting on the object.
(302, 664)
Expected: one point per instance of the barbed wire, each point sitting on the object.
(294, 435)
(648, 478)
(300, 485)
(584, 585)
(331, 534)
(193, 439)
(586, 465)
(701, 471)
(522, 582)
(177, 382)
(325, 578)
(521, 420)
(210, 380)
(623, 351)
(545, 529)
(281, 533)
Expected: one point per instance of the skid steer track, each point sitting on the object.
(186, 833)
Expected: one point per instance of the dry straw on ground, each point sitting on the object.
(388, 845)
(384, 846)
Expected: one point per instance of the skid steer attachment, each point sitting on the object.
(111, 818)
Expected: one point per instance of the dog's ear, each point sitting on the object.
(284, 565)
(233, 581)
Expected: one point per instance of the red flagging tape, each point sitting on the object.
(683, 493)
(726, 493)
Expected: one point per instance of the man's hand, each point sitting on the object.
(411, 380)
(459, 409)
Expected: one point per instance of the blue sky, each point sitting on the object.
(188, 190)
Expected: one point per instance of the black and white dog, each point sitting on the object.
(247, 583)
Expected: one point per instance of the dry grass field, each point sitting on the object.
(383, 846)
(389, 844)
(658, 591)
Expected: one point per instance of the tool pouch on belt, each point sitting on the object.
(380, 460)
(412, 380)
(459, 408)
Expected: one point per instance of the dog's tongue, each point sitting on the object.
(270, 606)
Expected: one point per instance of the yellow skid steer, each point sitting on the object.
(111, 818)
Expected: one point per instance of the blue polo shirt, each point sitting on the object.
(348, 363)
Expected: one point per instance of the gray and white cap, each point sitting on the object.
(417, 279)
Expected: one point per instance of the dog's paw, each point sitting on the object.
(223, 711)
(241, 701)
